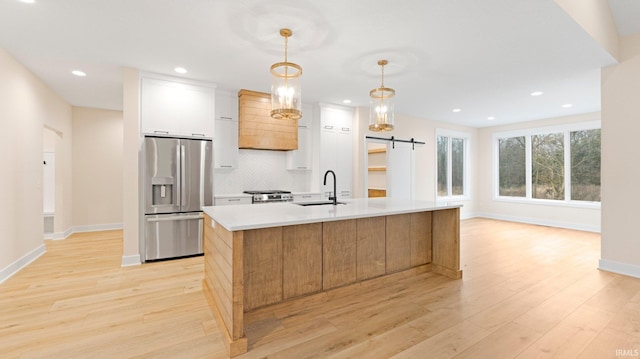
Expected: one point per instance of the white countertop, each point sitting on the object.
(241, 217)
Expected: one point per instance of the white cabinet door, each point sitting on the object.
(344, 163)
(225, 144)
(228, 201)
(336, 151)
(226, 106)
(306, 197)
(197, 111)
(300, 159)
(158, 107)
(175, 108)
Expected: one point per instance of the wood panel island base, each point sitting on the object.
(259, 255)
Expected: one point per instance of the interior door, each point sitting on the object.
(400, 170)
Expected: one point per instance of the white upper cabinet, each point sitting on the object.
(225, 140)
(173, 106)
(300, 159)
(226, 106)
(336, 149)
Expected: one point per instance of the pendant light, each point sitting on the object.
(285, 86)
(382, 105)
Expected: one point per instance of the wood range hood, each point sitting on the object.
(256, 128)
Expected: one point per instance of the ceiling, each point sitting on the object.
(482, 57)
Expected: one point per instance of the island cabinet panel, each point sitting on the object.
(398, 242)
(370, 247)
(420, 238)
(262, 267)
(302, 259)
(223, 280)
(339, 253)
(258, 130)
(446, 242)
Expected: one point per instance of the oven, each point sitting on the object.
(270, 196)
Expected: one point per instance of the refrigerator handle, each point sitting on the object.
(174, 218)
(178, 192)
(183, 179)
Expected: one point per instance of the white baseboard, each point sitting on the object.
(631, 270)
(540, 222)
(16, 266)
(468, 215)
(128, 261)
(82, 229)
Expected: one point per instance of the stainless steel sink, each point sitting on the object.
(317, 203)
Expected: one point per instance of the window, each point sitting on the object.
(547, 166)
(585, 165)
(556, 164)
(451, 155)
(513, 167)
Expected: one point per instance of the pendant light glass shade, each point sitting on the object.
(381, 111)
(285, 86)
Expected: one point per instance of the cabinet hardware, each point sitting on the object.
(198, 134)
(346, 129)
(163, 132)
(328, 127)
(226, 118)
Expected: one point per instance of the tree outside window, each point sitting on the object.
(547, 166)
(450, 158)
(512, 162)
(585, 165)
(554, 165)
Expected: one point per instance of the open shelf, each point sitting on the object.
(378, 150)
(377, 168)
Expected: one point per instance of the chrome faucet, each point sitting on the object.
(335, 195)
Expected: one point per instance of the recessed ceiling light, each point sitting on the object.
(537, 93)
(567, 105)
(347, 101)
(28, 1)
(491, 118)
(79, 73)
(180, 70)
(456, 110)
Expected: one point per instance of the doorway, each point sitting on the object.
(376, 183)
(49, 180)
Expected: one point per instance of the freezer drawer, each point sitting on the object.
(173, 235)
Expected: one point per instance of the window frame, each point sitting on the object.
(466, 188)
(566, 130)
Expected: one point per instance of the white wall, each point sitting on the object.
(553, 215)
(260, 170)
(132, 145)
(620, 161)
(26, 106)
(595, 17)
(97, 168)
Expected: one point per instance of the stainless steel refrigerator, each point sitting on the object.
(177, 183)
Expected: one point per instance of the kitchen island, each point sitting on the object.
(260, 255)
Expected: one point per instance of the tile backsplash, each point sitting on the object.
(260, 170)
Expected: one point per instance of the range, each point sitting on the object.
(269, 196)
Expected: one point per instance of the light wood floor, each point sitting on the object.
(527, 292)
